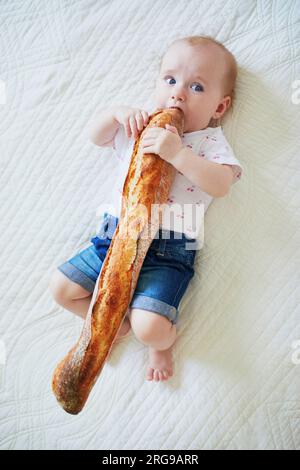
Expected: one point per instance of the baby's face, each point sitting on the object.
(191, 78)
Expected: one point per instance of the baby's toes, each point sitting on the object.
(156, 375)
(162, 376)
(165, 375)
(159, 375)
(149, 375)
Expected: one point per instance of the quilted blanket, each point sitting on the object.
(237, 355)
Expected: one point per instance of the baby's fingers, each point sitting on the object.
(127, 127)
(145, 117)
(135, 123)
(139, 120)
(133, 127)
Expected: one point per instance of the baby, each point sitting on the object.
(198, 75)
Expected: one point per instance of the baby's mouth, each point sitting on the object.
(176, 107)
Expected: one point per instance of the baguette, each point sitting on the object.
(147, 183)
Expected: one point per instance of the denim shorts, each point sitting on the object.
(164, 276)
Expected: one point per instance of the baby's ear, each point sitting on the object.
(223, 107)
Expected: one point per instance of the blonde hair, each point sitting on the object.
(230, 73)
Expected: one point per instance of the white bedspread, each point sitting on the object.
(237, 378)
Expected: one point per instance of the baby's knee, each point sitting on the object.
(149, 326)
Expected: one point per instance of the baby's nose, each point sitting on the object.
(179, 96)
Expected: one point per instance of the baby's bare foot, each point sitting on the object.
(160, 365)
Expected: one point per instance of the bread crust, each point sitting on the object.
(146, 186)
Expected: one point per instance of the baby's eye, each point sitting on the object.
(167, 78)
(200, 87)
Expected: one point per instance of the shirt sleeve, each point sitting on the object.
(120, 143)
(218, 150)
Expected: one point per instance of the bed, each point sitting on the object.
(237, 355)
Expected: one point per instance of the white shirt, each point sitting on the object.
(188, 201)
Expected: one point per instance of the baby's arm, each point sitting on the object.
(103, 128)
(212, 178)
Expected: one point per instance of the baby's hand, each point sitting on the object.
(133, 119)
(166, 142)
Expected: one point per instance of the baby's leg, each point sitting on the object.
(76, 299)
(69, 294)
